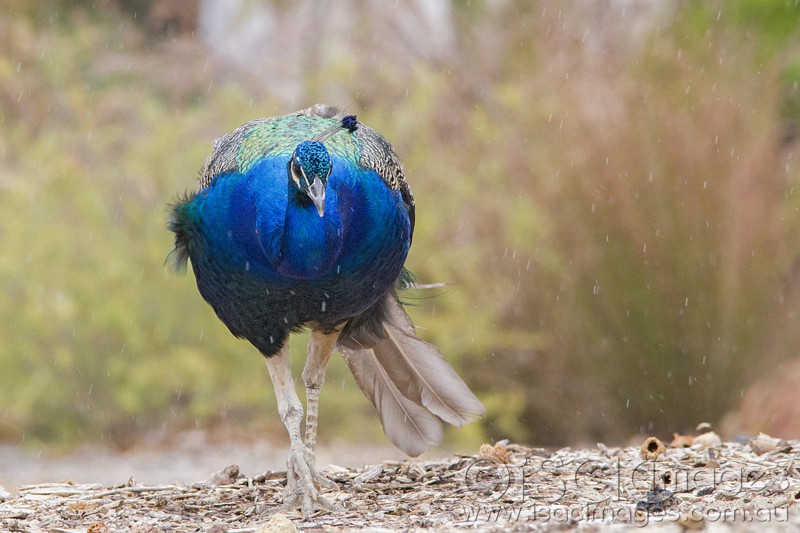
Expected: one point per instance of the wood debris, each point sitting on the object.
(651, 449)
(533, 490)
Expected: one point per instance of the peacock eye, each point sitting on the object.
(297, 171)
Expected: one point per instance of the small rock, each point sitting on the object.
(335, 469)
(703, 427)
(138, 528)
(657, 500)
(708, 439)
(692, 522)
(4, 494)
(705, 491)
(279, 523)
(226, 476)
(764, 443)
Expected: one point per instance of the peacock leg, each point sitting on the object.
(300, 489)
(319, 351)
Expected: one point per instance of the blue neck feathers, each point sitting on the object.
(310, 244)
(255, 222)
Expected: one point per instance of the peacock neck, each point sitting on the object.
(310, 244)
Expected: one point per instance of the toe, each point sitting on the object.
(302, 481)
(323, 482)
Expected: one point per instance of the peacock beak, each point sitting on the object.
(316, 191)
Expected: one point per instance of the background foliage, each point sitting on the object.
(613, 203)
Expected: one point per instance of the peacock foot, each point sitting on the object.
(304, 483)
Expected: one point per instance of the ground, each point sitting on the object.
(709, 485)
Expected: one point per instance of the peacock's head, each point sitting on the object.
(309, 169)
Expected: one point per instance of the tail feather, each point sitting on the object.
(409, 426)
(408, 381)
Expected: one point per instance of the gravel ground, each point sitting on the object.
(185, 458)
(712, 486)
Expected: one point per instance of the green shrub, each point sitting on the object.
(614, 214)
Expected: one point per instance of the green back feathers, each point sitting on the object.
(246, 145)
(280, 136)
(277, 136)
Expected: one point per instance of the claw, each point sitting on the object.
(302, 482)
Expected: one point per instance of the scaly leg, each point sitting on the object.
(300, 473)
(319, 351)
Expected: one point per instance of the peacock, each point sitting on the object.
(305, 221)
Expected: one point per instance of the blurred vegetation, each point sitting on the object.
(616, 212)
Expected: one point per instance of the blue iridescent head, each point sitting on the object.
(310, 164)
(309, 169)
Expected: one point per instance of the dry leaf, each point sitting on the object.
(681, 441)
(497, 453)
